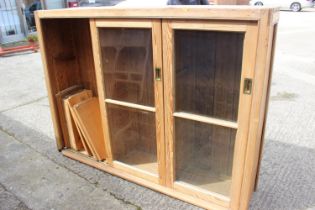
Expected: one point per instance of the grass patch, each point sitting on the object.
(15, 44)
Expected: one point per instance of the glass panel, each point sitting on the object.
(207, 72)
(127, 64)
(204, 155)
(133, 138)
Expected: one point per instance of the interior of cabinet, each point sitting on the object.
(208, 72)
(127, 65)
(69, 56)
(204, 155)
(69, 53)
(133, 137)
(208, 68)
(126, 57)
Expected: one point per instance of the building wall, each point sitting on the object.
(229, 2)
(54, 4)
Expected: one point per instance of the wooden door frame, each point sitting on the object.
(155, 26)
(250, 30)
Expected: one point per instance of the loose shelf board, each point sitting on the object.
(60, 96)
(74, 138)
(85, 144)
(88, 117)
(74, 130)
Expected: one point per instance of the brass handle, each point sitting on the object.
(158, 74)
(248, 83)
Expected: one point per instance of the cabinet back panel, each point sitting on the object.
(83, 48)
(69, 53)
(204, 155)
(127, 65)
(133, 137)
(208, 68)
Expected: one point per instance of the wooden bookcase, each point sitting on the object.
(182, 91)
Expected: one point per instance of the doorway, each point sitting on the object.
(10, 25)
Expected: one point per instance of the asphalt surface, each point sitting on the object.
(33, 175)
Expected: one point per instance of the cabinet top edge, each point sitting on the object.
(163, 12)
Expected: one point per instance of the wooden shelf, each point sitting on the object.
(141, 160)
(205, 179)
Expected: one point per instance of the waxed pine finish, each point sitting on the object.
(182, 101)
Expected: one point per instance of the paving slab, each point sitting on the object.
(42, 184)
(21, 80)
(34, 115)
(10, 201)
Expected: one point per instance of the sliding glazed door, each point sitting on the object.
(130, 68)
(208, 72)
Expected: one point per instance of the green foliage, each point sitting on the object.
(32, 38)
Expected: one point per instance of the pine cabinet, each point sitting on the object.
(182, 94)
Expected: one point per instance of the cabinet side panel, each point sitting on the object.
(267, 104)
(260, 90)
(49, 84)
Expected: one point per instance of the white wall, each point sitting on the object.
(54, 4)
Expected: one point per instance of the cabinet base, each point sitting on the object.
(168, 191)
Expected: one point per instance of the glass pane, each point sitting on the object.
(207, 72)
(127, 64)
(133, 138)
(204, 155)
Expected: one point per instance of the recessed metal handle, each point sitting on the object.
(158, 74)
(248, 83)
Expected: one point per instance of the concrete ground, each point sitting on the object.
(33, 175)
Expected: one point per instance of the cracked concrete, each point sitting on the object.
(34, 175)
(10, 201)
(24, 104)
(41, 183)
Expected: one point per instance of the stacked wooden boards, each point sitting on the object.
(82, 129)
